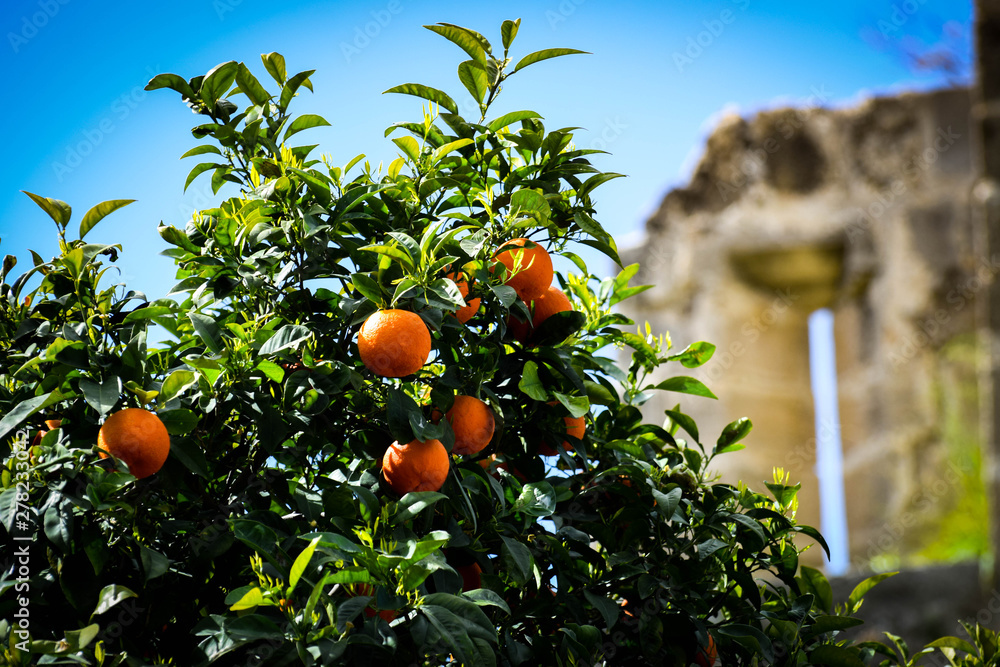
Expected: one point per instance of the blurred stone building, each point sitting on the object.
(864, 211)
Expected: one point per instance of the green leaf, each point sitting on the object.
(172, 81)
(199, 170)
(859, 592)
(291, 87)
(515, 559)
(175, 384)
(304, 122)
(409, 146)
(274, 63)
(251, 87)
(835, 656)
(415, 502)
(110, 596)
(217, 82)
(201, 150)
(954, 643)
(694, 355)
(685, 422)
(608, 610)
(59, 211)
(813, 581)
(508, 31)
(685, 385)
(536, 499)
(466, 39)
(154, 564)
(473, 76)
(367, 287)
(252, 599)
(208, 330)
(544, 54)
(750, 637)
(300, 564)
(104, 396)
(578, 406)
(733, 433)
(503, 121)
(427, 93)
(24, 410)
(288, 336)
(97, 213)
(531, 384)
(178, 422)
(667, 503)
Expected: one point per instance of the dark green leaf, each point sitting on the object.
(859, 592)
(464, 38)
(217, 82)
(544, 54)
(104, 396)
(503, 121)
(172, 81)
(427, 93)
(304, 122)
(733, 433)
(835, 656)
(208, 330)
(110, 596)
(685, 385)
(288, 336)
(251, 87)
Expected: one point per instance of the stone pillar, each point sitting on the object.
(986, 210)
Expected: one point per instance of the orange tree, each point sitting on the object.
(270, 535)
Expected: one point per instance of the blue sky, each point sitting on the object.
(83, 130)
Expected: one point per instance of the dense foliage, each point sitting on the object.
(270, 536)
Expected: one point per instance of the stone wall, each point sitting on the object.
(864, 211)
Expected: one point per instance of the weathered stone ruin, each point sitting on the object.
(865, 211)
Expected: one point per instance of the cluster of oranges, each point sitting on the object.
(393, 343)
(396, 343)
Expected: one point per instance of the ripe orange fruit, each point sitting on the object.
(394, 343)
(416, 466)
(137, 437)
(471, 306)
(386, 615)
(473, 423)
(707, 654)
(575, 426)
(553, 301)
(534, 273)
(471, 576)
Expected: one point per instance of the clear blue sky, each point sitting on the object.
(81, 128)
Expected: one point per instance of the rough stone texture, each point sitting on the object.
(862, 210)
